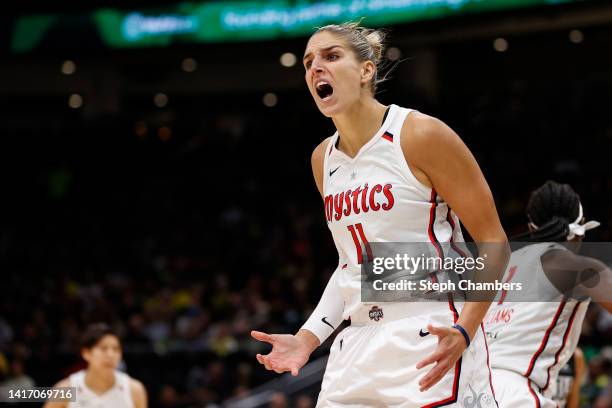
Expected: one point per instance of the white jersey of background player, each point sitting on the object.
(101, 385)
(382, 176)
(530, 341)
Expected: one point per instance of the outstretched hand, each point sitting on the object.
(451, 346)
(289, 352)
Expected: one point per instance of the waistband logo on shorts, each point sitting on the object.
(376, 313)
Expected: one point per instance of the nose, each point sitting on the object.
(317, 65)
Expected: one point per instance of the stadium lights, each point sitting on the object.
(189, 65)
(270, 99)
(393, 54)
(75, 101)
(160, 99)
(68, 67)
(288, 59)
(576, 36)
(140, 128)
(164, 133)
(500, 45)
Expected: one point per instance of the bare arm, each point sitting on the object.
(440, 160)
(580, 276)
(139, 394)
(317, 159)
(64, 383)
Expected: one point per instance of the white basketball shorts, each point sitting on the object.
(372, 363)
(516, 391)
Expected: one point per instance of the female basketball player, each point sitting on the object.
(389, 174)
(531, 341)
(101, 385)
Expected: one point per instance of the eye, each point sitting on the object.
(307, 64)
(332, 57)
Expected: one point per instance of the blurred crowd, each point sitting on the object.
(185, 240)
(183, 251)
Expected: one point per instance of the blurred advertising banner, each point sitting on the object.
(247, 20)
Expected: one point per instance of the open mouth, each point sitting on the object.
(324, 90)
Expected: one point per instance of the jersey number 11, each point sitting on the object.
(361, 242)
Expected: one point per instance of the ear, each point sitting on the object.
(368, 70)
(86, 354)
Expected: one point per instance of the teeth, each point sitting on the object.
(318, 84)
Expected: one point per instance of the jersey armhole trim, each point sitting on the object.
(328, 151)
(407, 173)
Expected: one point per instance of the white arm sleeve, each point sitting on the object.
(327, 316)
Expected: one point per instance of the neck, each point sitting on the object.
(358, 123)
(99, 380)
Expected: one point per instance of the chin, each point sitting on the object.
(331, 110)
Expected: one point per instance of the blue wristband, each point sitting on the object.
(465, 335)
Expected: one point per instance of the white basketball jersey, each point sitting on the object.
(534, 339)
(374, 197)
(119, 396)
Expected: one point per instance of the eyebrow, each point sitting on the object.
(324, 49)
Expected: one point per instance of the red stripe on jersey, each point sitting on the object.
(432, 219)
(451, 305)
(450, 220)
(533, 394)
(452, 240)
(565, 336)
(357, 244)
(545, 339)
(430, 231)
(388, 136)
(436, 243)
(434, 240)
(453, 398)
(365, 242)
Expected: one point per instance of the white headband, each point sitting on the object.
(575, 228)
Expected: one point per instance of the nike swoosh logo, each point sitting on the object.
(422, 333)
(331, 173)
(324, 320)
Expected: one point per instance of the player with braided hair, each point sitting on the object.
(555, 215)
(532, 340)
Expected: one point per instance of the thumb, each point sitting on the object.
(295, 371)
(437, 331)
(261, 336)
